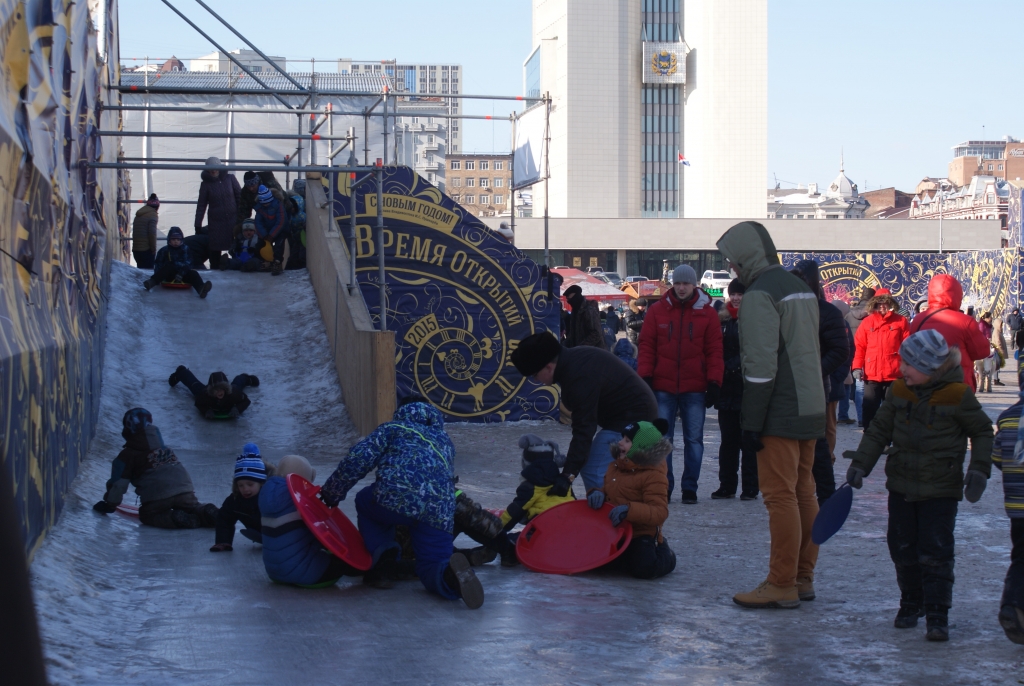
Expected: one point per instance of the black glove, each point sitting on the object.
(855, 477)
(974, 485)
(561, 487)
(751, 441)
(103, 507)
(712, 394)
(328, 499)
(649, 380)
(234, 413)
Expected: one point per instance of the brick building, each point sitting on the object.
(1001, 159)
(480, 182)
(883, 203)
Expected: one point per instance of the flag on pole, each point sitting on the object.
(683, 161)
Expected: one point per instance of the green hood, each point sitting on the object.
(749, 249)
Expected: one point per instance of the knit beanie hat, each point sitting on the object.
(250, 450)
(175, 232)
(925, 351)
(153, 201)
(264, 195)
(644, 434)
(535, 352)
(736, 286)
(251, 468)
(248, 225)
(534, 447)
(250, 178)
(213, 162)
(684, 274)
(135, 419)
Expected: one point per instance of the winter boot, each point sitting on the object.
(205, 290)
(722, 494)
(185, 520)
(253, 381)
(908, 615)
(473, 519)
(748, 496)
(208, 515)
(938, 623)
(690, 497)
(805, 588)
(173, 378)
(1012, 620)
(276, 270)
(148, 284)
(381, 575)
(509, 558)
(253, 535)
(768, 595)
(479, 556)
(459, 577)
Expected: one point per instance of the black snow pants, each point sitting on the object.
(729, 463)
(198, 388)
(182, 511)
(824, 476)
(1013, 589)
(921, 543)
(168, 272)
(874, 394)
(645, 558)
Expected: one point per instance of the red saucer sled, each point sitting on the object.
(329, 524)
(175, 284)
(571, 538)
(130, 510)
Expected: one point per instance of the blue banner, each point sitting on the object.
(459, 298)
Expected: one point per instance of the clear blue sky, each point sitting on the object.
(894, 84)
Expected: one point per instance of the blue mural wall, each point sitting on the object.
(459, 297)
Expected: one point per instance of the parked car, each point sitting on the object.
(715, 282)
(613, 278)
(632, 279)
(594, 270)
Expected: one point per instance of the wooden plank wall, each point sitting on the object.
(363, 356)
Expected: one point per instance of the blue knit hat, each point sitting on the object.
(250, 450)
(925, 351)
(251, 468)
(264, 195)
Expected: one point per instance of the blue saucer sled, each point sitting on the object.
(832, 514)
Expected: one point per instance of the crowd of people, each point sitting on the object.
(779, 363)
(247, 228)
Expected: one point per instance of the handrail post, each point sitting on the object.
(380, 248)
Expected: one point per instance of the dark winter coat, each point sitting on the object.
(1013, 321)
(626, 351)
(532, 495)
(220, 196)
(144, 229)
(233, 396)
(584, 324)
(247, 198)
(180, 257)
(731, 397)
(601, 391)
(838, 378)
(929, 426)
(681, 344)
(1013, 474)
(414, 459)
(640, 481)
(945, 295)
(272, 218)
(150, 466)
(634, 322)
(291, 553)
(237, 509)
(878, 341)
(612, 321)
(855, 316)
(296, 206)
(835, 346)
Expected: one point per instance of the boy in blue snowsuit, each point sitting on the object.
(272, 223)
(415, 487)
(174, 263)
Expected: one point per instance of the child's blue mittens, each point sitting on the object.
(974, 485)
(595, 499)
(618, 514)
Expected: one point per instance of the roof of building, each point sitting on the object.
(325, 81)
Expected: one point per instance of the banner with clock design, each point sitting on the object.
(459, 298)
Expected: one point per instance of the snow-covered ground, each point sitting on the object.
(125, 604)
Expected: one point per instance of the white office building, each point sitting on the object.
(221, 63)
(639, 85)
(419, 83)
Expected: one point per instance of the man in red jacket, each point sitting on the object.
(877, 356)
(945, 296)
(680, 358)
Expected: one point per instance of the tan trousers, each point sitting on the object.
(831, 419)
(787, 486)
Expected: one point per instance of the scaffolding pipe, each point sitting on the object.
(185, 134)
(380, 250)
(177, 90)
(227, 54)
(224, 168)
(246, 41)
(257, 110)
(353, 185)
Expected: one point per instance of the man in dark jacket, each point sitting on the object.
(835, 353)
(730, 401)
(601, 391)
(681, 359)
(584, 322)
(1014, 320)
(144, 233)
(174, 264)
(858, 313)
(217, 399)
(247, 198)
(219, 193)
(635, 319)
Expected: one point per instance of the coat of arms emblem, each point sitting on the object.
(664, 63)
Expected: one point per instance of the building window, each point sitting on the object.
(457, 182)
(455, 198)
(470, 199)
(456, 164)
(485, 199)
(470, 164)
(1000, 167)
(990, 199)
(470, 181)
(483, 165)
(498, 165)
(499, 200)
(990, 167)
(485, 182)
(498, 182)
(430, 138)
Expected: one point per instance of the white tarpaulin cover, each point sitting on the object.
(529, 155)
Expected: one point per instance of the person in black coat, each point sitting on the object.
(217, 398)
(635, 319)
(243, 505)
(834, 340)
(730, 399)
(219, 194)
(174, 264)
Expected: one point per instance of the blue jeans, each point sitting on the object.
(433, 547)
(600, 457)
(690, 409)
(858, 399)
(844, 403)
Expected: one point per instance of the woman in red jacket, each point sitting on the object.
(945, 295)
(877, 359)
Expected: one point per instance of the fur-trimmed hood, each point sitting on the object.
(884, 298)
(643, 459)
(218, 381)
